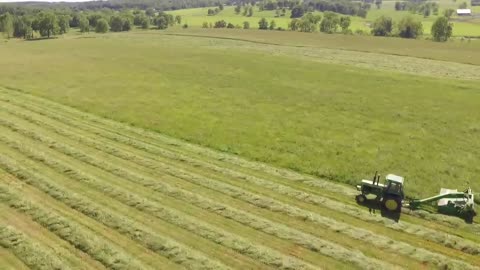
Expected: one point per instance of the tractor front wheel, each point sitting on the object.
(392, 204)
(360, 198)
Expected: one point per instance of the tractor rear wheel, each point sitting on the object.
(392, 203)
(360, 198)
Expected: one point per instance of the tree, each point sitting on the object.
(46, 23)
(63, 23)
(272, 25)
(250, 11)
(238, 9)
(22, 27)
(116, 24)
(382, 26)
(220, 24)
(220, 6)
(246, 25)
(329, 23)
(150, 12)
(178, 19)
(448, 12)
(408, 27)
(83, 24)
(378, 3)
(102, 26)
(230, 25)
(205, 25)
(345, 23)
(297, 12)
(127, 25)
(263, 24)
(185, 26)
(308, 26)
(294, 24)
(6, 25)
(441, 29)
(75, 21)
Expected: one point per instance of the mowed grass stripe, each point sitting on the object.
(444, 260)
(77, 235)
(101, 212)
(267, 256)
(10, 261)
(237, 229)
(309, 184)
(353, 220)
(30, 253)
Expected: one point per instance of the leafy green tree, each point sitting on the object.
(220, 24)
(63, 24)
(75, 20)
(101, 26)
(250, 11)
(345, 23)
(382, 26)
(23, 27)
(6, 24)
(272, 25)
(307, 26)
(116, 24)
(210, 12)
(238, 9)
(378, 3)
(448, 12)
(185, 26)
(205, 25)
(329, 23)
(150, 12)
(46, 24)
(294, 24)
(246, 25)
(230, 25)
(441, 29)
(145, 24)
(93, 18)
(409, 27)
(297, 12)
(127, 25)
(263, 24)
(178, 19)
(220, 6)
(83, 24)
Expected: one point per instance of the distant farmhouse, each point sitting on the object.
(464, 12)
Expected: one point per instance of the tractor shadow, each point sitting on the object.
(374, 207)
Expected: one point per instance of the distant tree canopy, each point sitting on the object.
(408, 27)
(382, 26)
(101, 26)
(329, 23)
(441, 29)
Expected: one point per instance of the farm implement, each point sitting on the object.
(390, 197)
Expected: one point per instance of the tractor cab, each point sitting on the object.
(394, 185)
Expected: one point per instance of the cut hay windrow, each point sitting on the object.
(450, 241)
(30, 253)
(162, 245)
(77, 235)
(356, 233)
(263, 254)
(430, 234)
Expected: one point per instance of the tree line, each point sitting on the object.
(49, 23)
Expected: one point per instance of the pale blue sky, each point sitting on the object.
(4, 1)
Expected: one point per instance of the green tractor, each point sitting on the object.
(390, 194)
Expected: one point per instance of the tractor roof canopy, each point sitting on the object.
(395, 178)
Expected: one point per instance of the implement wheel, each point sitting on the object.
(392, 204)
(360, 198)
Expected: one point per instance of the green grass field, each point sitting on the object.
(231, 149)
(196, 17)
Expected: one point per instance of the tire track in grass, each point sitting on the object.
(78, 236)
(379, 241)
(30, 253)
(265, 255)
(432, 235)
(309, 181)
(237, 191)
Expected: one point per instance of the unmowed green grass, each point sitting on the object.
(334, 121)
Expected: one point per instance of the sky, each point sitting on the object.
(9, 1)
